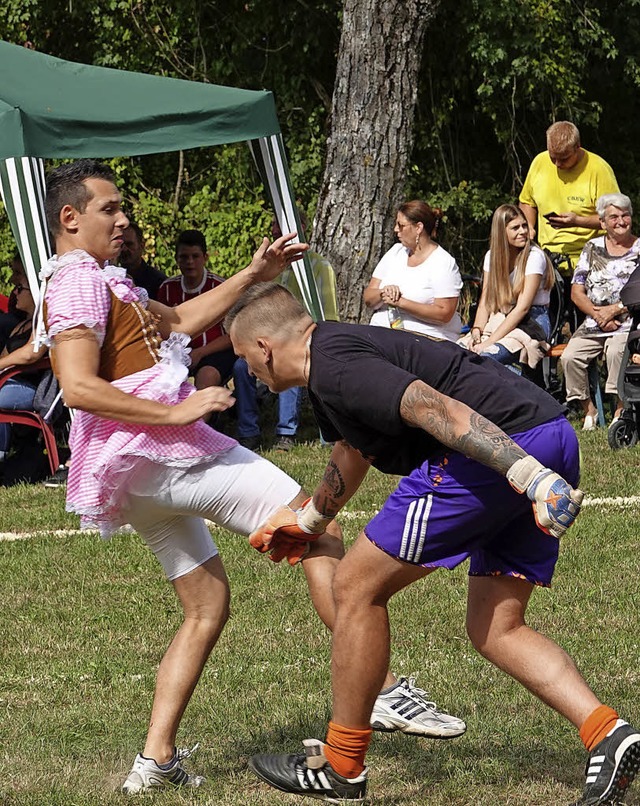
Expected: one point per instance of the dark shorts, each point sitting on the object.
(453, 508)
(222, 361)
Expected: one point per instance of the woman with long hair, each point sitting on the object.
(417, 283)
(515, 292)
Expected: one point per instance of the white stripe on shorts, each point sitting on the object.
(415, 529)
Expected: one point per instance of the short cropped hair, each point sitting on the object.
(65, 185)
(618, 200)
(192, 237)
(268, 307)
(563, 136)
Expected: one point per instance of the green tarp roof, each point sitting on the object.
(55, 108)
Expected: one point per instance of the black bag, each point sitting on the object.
(28, 462)
(48, 395)
(529, 326)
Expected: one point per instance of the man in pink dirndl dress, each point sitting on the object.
(141, 451)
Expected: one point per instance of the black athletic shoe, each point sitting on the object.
(59, 478)
(283, 443)
(612, 766)
(308, 774)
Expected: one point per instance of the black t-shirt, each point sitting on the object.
(359, 374)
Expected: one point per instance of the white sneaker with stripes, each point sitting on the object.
(146, 775)
(405, 707)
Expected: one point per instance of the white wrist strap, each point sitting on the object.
(310, 520)
(523, 472)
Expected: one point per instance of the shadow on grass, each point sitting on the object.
(427, 765)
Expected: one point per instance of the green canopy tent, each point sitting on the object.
(54, 108)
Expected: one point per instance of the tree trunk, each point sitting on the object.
(370, 141)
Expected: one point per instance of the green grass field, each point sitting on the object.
(84, 624)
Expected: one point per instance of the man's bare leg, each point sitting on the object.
(365, 581)
(495, 623)
(320, 566)
(204, 595)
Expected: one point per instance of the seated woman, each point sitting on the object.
(417, 283)
(603, 269)
(18, 391)
(10, 316)
(513, 311)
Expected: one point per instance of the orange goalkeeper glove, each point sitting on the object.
(292, 549)
(282, 535)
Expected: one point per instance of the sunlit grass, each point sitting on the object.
(84, 624)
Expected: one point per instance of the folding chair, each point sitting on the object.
(31, 418)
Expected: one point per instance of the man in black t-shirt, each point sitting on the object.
(469, 438)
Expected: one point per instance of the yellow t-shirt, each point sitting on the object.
(552, 190)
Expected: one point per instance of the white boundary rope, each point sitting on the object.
(617, 502)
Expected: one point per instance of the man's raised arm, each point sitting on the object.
(200, 313)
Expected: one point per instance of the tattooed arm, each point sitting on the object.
(555, 503)
(343, 475)
(458, 427)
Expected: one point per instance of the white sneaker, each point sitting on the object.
(405, 707)
(146, 774)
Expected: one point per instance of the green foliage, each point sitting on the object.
(494, 76)
(7, 251)
(535, 56)
(252, 45)
(226, 202)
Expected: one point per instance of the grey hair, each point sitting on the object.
(618, 200)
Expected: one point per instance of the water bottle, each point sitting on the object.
(395, 318)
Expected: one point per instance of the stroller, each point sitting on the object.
(624, 432)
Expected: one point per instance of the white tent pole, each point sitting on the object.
(269, 156)
(22, 185)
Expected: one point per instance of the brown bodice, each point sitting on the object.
(131, 341)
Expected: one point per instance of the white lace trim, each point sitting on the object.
(143, 296)
(41, 338)
(174, 362)
(95, 327)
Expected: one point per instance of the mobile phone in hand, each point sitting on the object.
(550, 215)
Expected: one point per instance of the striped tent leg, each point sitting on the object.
(270, 157)
(22, 185)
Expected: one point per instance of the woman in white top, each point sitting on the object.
(417, 283)
(517, 278)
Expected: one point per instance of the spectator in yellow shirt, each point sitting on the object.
(560, 191)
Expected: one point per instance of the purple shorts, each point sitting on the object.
(452, 508)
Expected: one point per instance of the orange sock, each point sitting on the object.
(345, 749)
(597, 725)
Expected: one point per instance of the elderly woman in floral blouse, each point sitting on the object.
(603, 269)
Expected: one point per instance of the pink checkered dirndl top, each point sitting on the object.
(106, 454)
